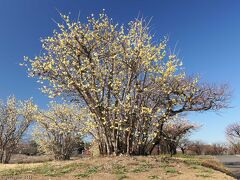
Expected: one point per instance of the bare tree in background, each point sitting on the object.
(233, 136)
(15, 118)
(176, 130)
(183, 144)
(219, 148)
(197, 147)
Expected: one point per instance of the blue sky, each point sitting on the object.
(207, 34)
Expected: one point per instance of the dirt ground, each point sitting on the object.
(113, 168)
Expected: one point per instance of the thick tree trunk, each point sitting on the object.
(128, 143)
(183, 150)
(1, 156)
(173, 149)
(5, 156)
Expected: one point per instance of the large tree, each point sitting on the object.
(130, 83)
(15, 118)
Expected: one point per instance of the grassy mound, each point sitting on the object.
(151, 167)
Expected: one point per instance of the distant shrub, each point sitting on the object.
(29, 148)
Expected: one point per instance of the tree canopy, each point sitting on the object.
(130, 84)
(61, 128)
(15, 118)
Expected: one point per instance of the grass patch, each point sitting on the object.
(164, 165)
(153, 177)
(142, 168)
(168, 166)
(207, 170)
(50, 170)
(195, 166)
(215, 165)
(13, 172)
(202, 161)
(183, 156)
(191, 162)
(46, 169)
(89, 172)
(171, 170)
(203, 175)
(120, 171)
(122, 176)
(201, 168)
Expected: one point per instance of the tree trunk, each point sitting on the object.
(128, 144)
(173, 149)
(6, 157)
(1, 156)
(183, 150)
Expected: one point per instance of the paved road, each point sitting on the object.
(232, 162)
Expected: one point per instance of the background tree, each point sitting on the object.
(234, 148)
(60, 129)
(29, 148)
(15, 118)
(197, 147)
(216, 149)
(233, 136)
(130, 84)
(200, 148)
(176, 130)
(184, 144)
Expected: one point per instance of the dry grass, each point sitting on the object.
(205, 161)
(119, 168)
(21, 158)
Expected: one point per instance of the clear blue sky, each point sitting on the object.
(207, 32)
